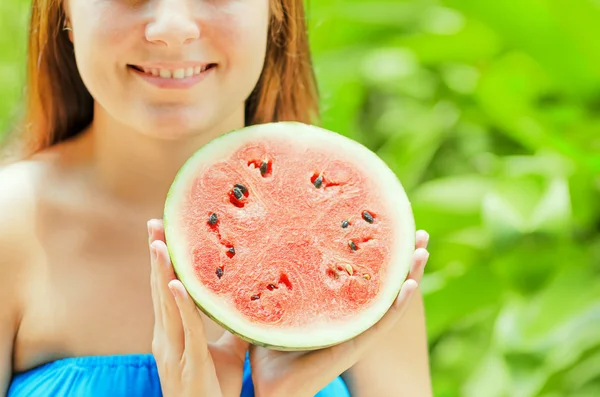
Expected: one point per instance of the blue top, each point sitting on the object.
(115, 376)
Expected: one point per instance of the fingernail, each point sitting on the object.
(423, 252)
(149, 224)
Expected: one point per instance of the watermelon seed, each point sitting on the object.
(264, 167)
(345, 224)
(367, 276)
(231, 252)
(243, 188)
(219, 272)
(352, 245)
(235, 196)
(212, 220)
(271, 287)
(368, 217)
(349, 269)
(318, 182)
(255, 297)
(237, 192)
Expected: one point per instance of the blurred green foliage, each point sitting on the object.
(489, 112)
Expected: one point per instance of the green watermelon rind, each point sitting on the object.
(216, 310)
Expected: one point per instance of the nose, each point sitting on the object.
(173, 24)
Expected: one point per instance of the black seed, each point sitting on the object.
(318, 182)
(237, 192)
(345, 224)
(271, 287)
(213, 219)
(255, 297)
(352, 245)
(264, 167)
(219, 272)
(368, 217)
(242, 188)
(232, 251)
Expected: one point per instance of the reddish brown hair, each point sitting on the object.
(58, 105)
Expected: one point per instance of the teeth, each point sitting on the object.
(180, 73)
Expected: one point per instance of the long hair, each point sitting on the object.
(58, 105)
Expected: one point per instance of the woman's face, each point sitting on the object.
(170, 68)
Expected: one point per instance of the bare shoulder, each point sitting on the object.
(26, 187)
(20, 185)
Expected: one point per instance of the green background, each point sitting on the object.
(488, 111)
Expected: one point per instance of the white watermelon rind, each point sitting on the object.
(318, 336)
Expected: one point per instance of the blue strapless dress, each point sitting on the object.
(115, 376)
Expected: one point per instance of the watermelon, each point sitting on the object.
(290, 236)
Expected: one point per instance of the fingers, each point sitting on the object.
(194, 337)
(172, 322)
(324, 365)
(417, 268)
(156, 301)
(393, 315)
(420, 256)
(156, 230)
(168, 322)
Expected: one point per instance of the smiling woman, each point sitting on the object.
(258, 49)
(120, 94)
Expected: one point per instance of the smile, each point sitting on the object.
(179, 77)
(174, 73)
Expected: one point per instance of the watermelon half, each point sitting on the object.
(290, 236)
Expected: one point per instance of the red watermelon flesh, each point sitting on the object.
(289, 235)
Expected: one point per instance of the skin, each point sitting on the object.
(81, 274)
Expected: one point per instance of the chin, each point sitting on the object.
(177, 125)
(181, 121)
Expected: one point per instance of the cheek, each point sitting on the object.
(241, 33)
(101, 36)
(103, 22)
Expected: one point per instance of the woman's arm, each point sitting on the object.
(6, 336)
(7, 330)
(398, 364)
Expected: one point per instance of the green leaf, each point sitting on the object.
(459, 194)
(460, 297)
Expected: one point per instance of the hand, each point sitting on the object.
(187, 364)
(300, 374)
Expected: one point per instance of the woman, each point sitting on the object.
(120, 94)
